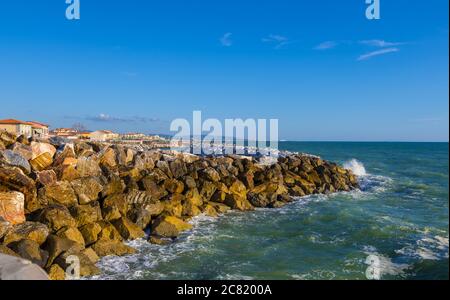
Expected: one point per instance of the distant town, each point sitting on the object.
(39, 130)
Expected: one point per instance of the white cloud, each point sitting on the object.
(326, 45)
(225, 40)
(379, 43)
(279, 40)
(377, 53)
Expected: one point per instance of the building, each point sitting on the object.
(103, 135)
(39, 129)
(17, 127)
(132, 136)
(68, 133)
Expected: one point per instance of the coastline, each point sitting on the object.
(86, 199)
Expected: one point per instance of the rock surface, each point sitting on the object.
(86, 198)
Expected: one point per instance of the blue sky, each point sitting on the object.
(320, 67)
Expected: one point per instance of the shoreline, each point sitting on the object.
(86, 198)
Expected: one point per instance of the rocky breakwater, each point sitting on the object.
(87, 199)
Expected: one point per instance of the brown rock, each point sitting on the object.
(87, 189)
(88, 166)
(174, 186)
(211, 174)
(14, 179)
(60, 192)
(4, 227)
(219, 207)
(14, 159)
(90, 253)
(127, 229)
(107, 247)
(56, 245)
(12, 207)
(55, 272)
(169, 226)
(41, 162)
(7, 138)
(46, 177)
(140, 216)
(29, 249)
(87, 267)
(164, 166)
(178, 168)
(109, 232)
(56, 217)
(90, 233)
(35, 231)
(73, 234)
(114, 203)
(108, 158)
(115, 185)
(7, 251)
(24, 150)
(85, 214)
(41, 148)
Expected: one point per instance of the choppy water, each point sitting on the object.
(401, 215)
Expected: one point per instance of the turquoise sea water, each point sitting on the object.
(401, 216)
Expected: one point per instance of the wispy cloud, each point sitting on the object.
(111, 119)
(377, 53)
(380, 43)
(326, 45)
(226, 40)
(278, 40)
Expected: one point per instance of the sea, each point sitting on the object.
(395, 227)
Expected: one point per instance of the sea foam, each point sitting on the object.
(356, 167)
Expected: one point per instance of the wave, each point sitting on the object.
(368, 182)
(356, 167)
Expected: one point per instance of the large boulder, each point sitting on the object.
(108, 158)
(87, 189)
(14, 179)
(39, 148)
(55, 272)
(178, 168)
(211, 174)
(85, 214)
(12, 207)
(23, 150)
(16, 160)
(114, 185)
(87, 267)
(56, 217)
(46, 177)
(60, 192)
(5, 226)
(144, 200)
(90, 233)
(42, 161)
(56, 245)
(169, 226)
(29, 249)
(71, 233)
(35, 231)
(140, 216)
(111, 247)
(88, 166)
(127, 229)
(237, 199)
(7, 138)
